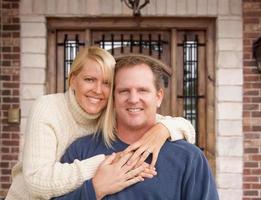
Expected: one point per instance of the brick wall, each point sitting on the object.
(251, 102)
(9, 89)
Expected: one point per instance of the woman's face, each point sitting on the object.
(91, 90)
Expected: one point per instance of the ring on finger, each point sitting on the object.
(148, 151)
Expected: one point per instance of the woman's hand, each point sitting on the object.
(150, 143)
(112, 177)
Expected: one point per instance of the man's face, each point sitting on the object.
(136, 98)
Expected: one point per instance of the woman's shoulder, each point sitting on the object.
(48, 103)
(50, 100)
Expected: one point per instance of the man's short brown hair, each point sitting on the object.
(131, 60)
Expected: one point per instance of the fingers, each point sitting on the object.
(148, 173)
(109, 159)
(123, 160)
(137, 154)
(134, 172)
(154, 159)
(132, 181)
(132, 147)
(143, 157)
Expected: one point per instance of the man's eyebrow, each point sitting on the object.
(121, 88)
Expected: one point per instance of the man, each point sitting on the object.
(182, 169)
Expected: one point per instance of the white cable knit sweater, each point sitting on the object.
(54, 123)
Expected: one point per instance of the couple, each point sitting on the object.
(57, 120)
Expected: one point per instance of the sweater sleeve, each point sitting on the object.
(44, 175)
(198, 182)
(84, 192)
(179, 128)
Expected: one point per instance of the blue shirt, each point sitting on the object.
(183, 172)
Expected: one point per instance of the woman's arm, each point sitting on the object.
(44, 175)
(174, 128)
(178, 127)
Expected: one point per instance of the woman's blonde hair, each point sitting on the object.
(106, 61)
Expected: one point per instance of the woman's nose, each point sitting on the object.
(98, 88)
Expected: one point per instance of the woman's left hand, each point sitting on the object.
(150, 143)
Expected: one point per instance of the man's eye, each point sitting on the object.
(123, 91)
(143, 90)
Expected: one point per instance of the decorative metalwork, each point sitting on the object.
(135, 5)
(190, 77)
(154, 46)
(71, 47)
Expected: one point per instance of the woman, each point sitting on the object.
(56, 120)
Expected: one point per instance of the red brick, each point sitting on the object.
(6, 63)
(5, 186)
(256, 157)
(5, 150)
(11, 27)
(250, 192)
(251, 150)
(5, 78)
(4, 164)
(250, 179)
(250, 106)
(251, 164)
(9, 157)
(256, 171)
(256, 114)
(10, 142)
(4, 179)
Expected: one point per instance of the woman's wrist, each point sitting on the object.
(165, 131)
(99, 194)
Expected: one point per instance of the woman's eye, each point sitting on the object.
(106, 83)
(89, 80)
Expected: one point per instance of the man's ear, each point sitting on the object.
(160, 95)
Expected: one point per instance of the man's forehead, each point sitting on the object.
(141, 68)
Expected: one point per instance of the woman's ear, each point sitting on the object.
(72, 82)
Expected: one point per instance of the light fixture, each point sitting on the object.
(135, 5)
(257, 53)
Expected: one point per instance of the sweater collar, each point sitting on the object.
(78, 113)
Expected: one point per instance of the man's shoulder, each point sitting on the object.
(88, 140)
(181, 148)
(83, 148)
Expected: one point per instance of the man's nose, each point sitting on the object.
(134, 97)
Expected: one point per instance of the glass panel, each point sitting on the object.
(190, 81)
(71, 47)
(117, 44)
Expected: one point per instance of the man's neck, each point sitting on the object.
(130, 136)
